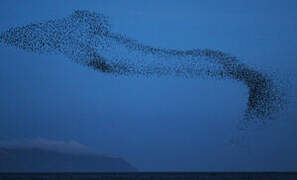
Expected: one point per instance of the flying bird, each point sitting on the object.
(87, 38)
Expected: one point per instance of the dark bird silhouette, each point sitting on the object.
(86, 38)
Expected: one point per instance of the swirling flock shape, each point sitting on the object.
(86, 38)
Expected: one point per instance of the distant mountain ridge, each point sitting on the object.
(44, 160)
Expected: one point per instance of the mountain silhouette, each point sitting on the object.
(43, 160)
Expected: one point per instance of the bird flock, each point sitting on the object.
(86, 38)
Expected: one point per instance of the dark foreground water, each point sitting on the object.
(152, 175)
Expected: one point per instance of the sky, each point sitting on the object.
(156, 124)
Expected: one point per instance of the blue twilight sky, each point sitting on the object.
(157, 124)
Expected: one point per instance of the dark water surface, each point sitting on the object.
(155, 175)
